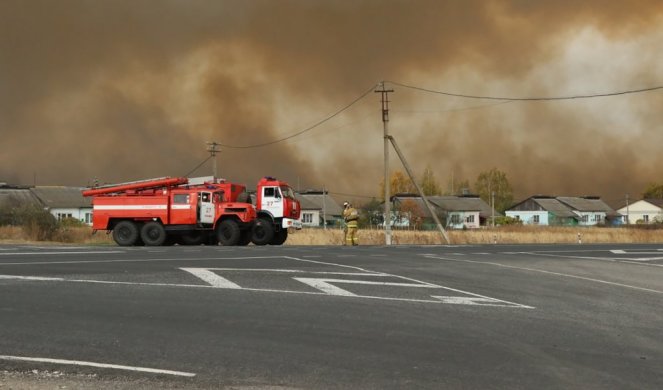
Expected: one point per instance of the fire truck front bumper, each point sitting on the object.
(289, 223)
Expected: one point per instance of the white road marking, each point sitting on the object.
(550, 273)
(188, 259)
(94, 364)
(212, 278)
(56, 253)
(215, 281)
(40, 278)
(470, 301)
(324, 286)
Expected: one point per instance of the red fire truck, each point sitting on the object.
(165, 211)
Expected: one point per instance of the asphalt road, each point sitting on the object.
(471, 317)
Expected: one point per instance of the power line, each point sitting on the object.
(198, 166)
(320, 122)
(527, 98)
(454, 109)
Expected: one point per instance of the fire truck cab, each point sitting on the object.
(277, 210)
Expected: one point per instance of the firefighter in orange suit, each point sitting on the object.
(350, 215)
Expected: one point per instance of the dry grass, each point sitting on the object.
(502, 235)
(65, 235)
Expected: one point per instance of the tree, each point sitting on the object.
(413, 212)
(457, 186)
(429, 184)
(371, 214)
(400, 183)
(653, 191)
(495, 181)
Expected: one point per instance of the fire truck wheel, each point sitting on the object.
(228, 232)
(125, 233)
(262, 232)
(153, 234)
(279, 237)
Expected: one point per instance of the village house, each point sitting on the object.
(563, 211)
(644, 211)
(65, 202)
(455, 212)
(318, 206)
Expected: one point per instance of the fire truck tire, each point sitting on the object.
(262, 232)
(228, 232)
(153, 234)
(125, 233)
(279, 237)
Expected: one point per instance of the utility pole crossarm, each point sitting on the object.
(213, 148)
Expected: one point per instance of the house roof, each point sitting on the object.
(316, 201)
(61, 197)
(655, 202)
(587, 204)
(12, 197)
(567, 206)
(555, 207)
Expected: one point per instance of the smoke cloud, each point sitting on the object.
(125, 90)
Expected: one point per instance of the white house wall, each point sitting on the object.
(529, 217)
(315, 218)
(591, 218)
(83, 215)
(463, 219)
(641, 211)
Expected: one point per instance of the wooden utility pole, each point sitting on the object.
(212, 148)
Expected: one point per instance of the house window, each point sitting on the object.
(470, 219)
(536, 219)
(585, 218)
(307, 218)
(598, 218)
(455, 219)
(645, 218)
(88, 217)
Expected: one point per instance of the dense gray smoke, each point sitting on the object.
(123, 90)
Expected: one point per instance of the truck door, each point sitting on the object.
(272, 201)
(206, 208)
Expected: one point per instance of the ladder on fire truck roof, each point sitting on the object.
(136, 185)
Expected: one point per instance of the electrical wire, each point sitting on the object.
(198, 166)
(526, 98)
(453, 109)
(318, 123)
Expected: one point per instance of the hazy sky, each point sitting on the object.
(124, 90)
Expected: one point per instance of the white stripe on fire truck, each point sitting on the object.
(130, 207)
(181, 206)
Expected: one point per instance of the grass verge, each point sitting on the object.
(82, 235)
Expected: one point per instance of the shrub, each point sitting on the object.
(38, 224)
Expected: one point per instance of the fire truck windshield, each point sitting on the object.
(287, 192)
